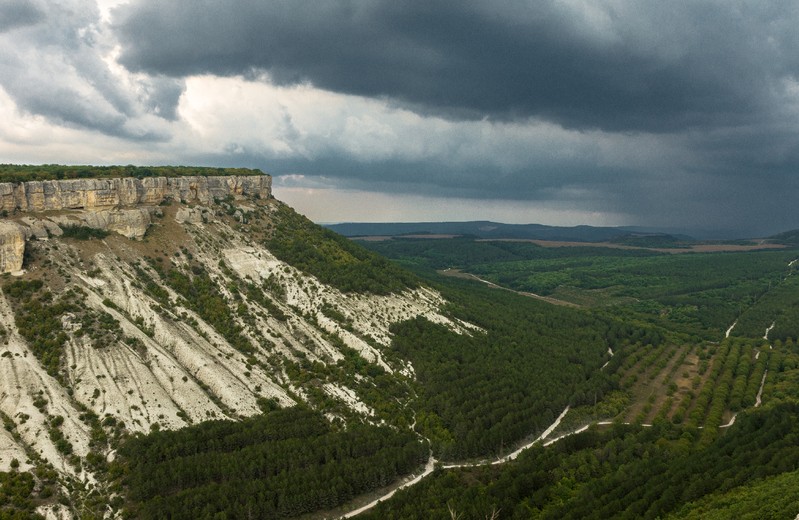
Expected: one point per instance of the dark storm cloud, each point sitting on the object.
(542, 182)
(715, 202)
(649, 66)
(669, 113)
(161, 96)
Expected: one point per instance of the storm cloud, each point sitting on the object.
(628, 112)
(617, 66)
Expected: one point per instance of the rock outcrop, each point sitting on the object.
(94, 194)
(129, 222)
(191, 215)
(12, 246)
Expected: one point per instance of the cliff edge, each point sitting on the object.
(123, 205)
(35, 196)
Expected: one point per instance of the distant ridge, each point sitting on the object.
(790, 238)
(496, 230)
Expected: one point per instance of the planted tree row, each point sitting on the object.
(700, 406)
(720, 394)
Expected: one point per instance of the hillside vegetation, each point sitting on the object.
(278, 465)
(332, 258)
(28, 172)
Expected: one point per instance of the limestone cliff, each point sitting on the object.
(128, 222)
(124, 205)
(111, 193)
(12, 246)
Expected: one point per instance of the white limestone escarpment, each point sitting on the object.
(124, 205)
(35, 196)
(12, 246)
(136, 351)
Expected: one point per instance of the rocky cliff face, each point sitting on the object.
(125, 206)
(12, 247)
(112, 193)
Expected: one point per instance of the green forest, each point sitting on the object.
(278, 465)
(697, 293)
(480, 394)
(667, 399)
(43, 172)
(622, 472)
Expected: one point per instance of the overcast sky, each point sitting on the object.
(615, 112)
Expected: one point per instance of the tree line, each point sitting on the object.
(29, 172)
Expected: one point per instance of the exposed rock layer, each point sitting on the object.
(111, 193)
(122, 205)
(12, 246)
(166, 366)
(130, 222)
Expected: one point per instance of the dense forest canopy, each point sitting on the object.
(622, 472)
(675, 396)
(279, 465)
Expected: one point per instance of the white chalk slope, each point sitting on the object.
(170, 368)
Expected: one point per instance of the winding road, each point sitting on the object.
(765, 336)
(457, 273)
(428, 469)
(431, 462)
(729, 331)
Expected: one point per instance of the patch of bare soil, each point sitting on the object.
(163, 239)
(650, 393)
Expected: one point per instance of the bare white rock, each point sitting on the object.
(12, 246)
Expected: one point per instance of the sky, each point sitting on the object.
(563, 112)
